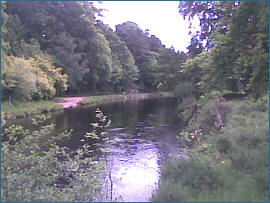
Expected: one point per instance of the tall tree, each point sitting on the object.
(143, 48)
(238, 50)
(124, 70)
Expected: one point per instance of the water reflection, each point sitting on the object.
(137, 158)
(145, 132)
(135, 176)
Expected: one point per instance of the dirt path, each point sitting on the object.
(69, 102)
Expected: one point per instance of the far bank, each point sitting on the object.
(22, 109)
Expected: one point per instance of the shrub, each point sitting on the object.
(197, 173)
(31, 79)
(170, 192)
(231, 163)
(36, 170)
(17, 79)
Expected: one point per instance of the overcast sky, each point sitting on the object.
(160, 17)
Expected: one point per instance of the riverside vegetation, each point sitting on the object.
(55, 48)
(21, 109)
(224, 164)
(35, 168)
(226, 114)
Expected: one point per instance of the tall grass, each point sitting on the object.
(94, 100)
(19, 109)
(229, 165)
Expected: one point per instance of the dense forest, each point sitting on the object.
(230, 53)
(86, 55)
(56, 48)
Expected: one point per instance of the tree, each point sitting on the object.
(212, 15)
(169, 67)
(143, 48)
(237, 33)
(124, 70)
(31, 79)
(65, 56)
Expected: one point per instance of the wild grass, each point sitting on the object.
(22, 109)
(229, 165)
(94, 100)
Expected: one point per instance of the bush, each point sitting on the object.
(31, 79)
(230, 163)
(36, 170)
(197, 173)
(169, 192)
(17, 79)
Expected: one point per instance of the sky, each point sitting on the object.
(160, 17)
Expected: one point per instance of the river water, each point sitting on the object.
(146, 131)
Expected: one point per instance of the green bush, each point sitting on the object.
(196, 173)
(31, 79)
(169, 192)
(34, 168)
(17, 79)
(228, 164)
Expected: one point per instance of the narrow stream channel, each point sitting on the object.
(146, 131)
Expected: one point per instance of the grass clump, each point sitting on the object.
(225, 164)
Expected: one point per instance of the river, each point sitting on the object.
(147, 132)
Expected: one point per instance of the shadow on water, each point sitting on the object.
(146, 131)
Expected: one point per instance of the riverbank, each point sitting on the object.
(103, 99)
(225, 163)
(18, 109)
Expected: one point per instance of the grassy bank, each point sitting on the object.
(224, 164)
(19, 109)
(94, 100)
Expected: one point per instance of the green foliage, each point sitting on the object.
(212, 15)
(65, 56)
(5, 46)
(50, 81)
(17, 79)
(237, 53)
(124, 70)
(157, 65)
(206, 118)
(18, 109)
(169, 65)
(95, 58)
(34, 168)
(94, 100)
(230, 164)
(31, 79)
(169, 192)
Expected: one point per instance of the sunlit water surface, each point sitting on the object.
(146, 132)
